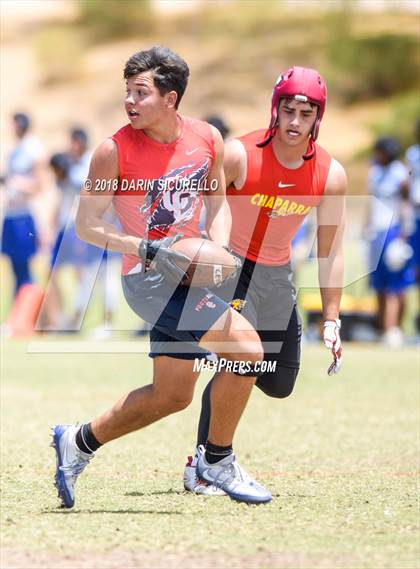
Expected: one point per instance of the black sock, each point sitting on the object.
(204, 423)
(215, 453)
(86, 440)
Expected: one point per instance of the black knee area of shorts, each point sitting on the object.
(278, 384)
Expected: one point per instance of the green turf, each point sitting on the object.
(340, 457)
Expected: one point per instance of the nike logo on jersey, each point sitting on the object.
(281, 185)
(189, 152)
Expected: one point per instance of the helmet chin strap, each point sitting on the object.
(268, 138)
(310, 151)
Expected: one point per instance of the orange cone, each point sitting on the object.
(25, 309)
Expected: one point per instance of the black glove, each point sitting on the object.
(238, 262)
(156, 253)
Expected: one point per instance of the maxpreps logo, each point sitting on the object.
(279, 207)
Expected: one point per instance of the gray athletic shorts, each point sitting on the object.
(179, 315)
(265, 295)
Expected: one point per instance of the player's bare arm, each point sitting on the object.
(331, 218)
(90, 223)
(218, 218)
(234, 164)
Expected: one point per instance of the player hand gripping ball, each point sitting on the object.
(332, 342)
(156, 253)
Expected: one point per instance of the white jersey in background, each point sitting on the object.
(21, 163)
(79, 170)
(384, 183)
(70, 190)
(69, 200)
(412, 157)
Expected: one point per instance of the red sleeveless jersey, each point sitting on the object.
(268, 210)
(160, 185)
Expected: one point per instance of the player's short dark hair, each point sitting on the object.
(80, 134)
(60, 161)
(170, 71)
(389, 145)
(219, 123)
(22, 120)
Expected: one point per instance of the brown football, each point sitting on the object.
(210, 263)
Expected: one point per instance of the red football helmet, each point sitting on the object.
(305, 85)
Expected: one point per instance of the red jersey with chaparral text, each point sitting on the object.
(160, 188)
(273, 202)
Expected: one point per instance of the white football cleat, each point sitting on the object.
(192, 483)
(227, 475)
(71, 462)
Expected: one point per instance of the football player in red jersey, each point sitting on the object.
(155, 170)
(274, 178)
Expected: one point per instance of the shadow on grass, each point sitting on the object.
(157, 493)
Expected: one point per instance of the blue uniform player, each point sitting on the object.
(412, 158)
(390, 254)
(23, 179)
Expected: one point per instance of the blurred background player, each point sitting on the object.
(68, 251)
(390, 253)
(79, 156)
(109, 268)
(413, 162)
(25, 177)
(273, 180)
(70, 170)
(218, 122)
(52, 313)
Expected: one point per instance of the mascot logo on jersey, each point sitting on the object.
(174, 198)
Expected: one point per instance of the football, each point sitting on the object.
(210, 263)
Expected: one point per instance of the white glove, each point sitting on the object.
(332, 341)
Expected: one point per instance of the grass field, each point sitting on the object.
(340, 457)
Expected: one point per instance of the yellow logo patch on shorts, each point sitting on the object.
(237, 304)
